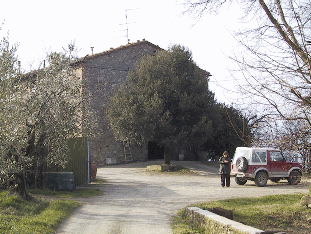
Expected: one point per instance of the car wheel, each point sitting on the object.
(261, 179)
(275, 180)
(294, 177)
(241, 164)
(240, 181)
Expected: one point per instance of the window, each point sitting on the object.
(276, 156)
(242, 153)
(259, 157)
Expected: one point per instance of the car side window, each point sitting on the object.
(276, 156)
(259, 157)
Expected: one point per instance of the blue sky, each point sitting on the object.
(44, 26)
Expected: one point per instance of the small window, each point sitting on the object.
(276, 156)
(259, 157)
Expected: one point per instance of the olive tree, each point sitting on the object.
(164, 100)
(38, 115)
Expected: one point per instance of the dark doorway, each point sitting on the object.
(155, 151)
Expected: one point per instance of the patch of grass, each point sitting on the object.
(178, 170)
(185, 171)
(269, 213)
(77, 193)
(36, 216)
(154, 168)
(182, 227)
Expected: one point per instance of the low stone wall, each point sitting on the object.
(214, 223)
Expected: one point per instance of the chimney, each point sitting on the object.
(92, 49)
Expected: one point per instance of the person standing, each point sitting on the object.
(225, 169)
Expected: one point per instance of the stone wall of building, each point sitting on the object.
(102, 74)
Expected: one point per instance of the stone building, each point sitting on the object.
(101, 75)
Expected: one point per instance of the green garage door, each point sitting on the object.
(78, 162)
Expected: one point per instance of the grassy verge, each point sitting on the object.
(36, 216)
(77, 193)
(182, 226)
(41, 215)
(269, 213)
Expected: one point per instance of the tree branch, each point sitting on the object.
(283, 34)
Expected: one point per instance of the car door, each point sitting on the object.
(277, 164)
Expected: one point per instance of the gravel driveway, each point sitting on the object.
(136, 202)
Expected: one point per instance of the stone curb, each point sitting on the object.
(221, 221)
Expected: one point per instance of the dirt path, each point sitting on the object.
(136, 202)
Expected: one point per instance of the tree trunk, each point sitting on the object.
(35, 165)
(20, 184)
(20, 187)
(167, 155)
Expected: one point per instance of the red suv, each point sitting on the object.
(261, 164)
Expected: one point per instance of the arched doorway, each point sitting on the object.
(155, 151)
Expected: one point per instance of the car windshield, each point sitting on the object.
(241, 153)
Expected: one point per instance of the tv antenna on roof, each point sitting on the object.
(127, 24)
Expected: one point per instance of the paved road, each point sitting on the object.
(136, 202)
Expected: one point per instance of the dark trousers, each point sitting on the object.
(225, 180)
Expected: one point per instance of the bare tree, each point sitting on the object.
(275, 61)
